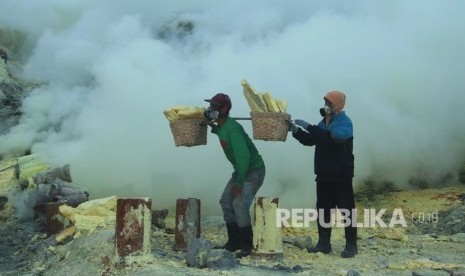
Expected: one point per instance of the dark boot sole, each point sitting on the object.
(322, 249)
(349, 254)
(242, 254)
(316, 251)
(230, 249)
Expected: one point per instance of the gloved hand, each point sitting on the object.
(292, 127)
(302, 123)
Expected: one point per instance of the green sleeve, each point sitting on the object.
(241, 156)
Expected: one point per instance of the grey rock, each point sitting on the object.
(454, 221)
(303, 242)
(352, 273)
(48, 177)
(197, 252)
(459, 237)
(299, 242)
(221, 259)
(430, 273)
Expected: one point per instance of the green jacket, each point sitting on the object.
(238, 148)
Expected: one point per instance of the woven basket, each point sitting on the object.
(189, 132)
(270, 126)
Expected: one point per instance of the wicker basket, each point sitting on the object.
(270, 126)
(189, 132)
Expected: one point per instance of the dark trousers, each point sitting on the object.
(331, 194)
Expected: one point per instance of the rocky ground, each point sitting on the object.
(25, 250)
(429, 246)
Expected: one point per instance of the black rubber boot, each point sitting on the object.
(246, 235)
(324, 241)
(234, 242)
(350, 250)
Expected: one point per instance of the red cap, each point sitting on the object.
(220, 100)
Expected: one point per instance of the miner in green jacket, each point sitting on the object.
(246, 179)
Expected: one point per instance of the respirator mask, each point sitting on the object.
(326, 111)
(211, 114)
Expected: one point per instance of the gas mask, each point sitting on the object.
(211, 114)
(326, 111)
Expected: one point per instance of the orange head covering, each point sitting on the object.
(337, 100)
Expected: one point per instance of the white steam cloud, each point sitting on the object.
(110, 68)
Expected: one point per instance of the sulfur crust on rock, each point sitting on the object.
(91, 215)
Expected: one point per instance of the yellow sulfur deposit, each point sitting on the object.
(262, 102)
(271, 104)
(254, 100)
(184, 112)
(282, 104)
(28, 166)
(274, 105)
(91, 215)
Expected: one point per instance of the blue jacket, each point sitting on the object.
(334, 159)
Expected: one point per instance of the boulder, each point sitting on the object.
(197, 253)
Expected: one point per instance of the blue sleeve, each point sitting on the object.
(342, 129)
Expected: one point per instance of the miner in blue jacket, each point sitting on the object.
(334, 168)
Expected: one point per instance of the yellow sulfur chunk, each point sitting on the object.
(262, 102)
(191, 113)
(184, 112)
(254, 100)
(282, 104)
(170, 114)
(271, 103)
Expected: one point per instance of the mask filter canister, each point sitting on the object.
(325, 111)
(211, 114)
